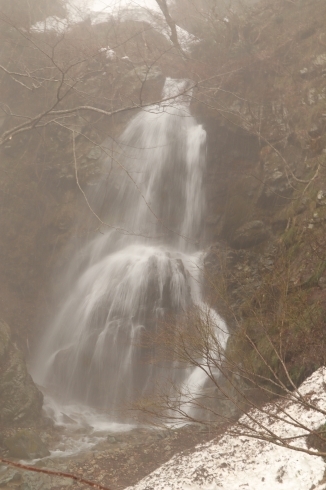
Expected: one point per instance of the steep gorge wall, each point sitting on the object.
(265, 187)
(40, 198)
(41, 202)
(265, 199)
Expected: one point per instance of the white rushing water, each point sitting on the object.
(122, 285)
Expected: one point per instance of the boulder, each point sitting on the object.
(25, 444)
(9, 476)
(250, 234)
(20, 399)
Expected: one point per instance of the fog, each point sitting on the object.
(110, 5)
(162, 191)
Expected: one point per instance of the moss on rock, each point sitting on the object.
(21, 400)
(25, 444)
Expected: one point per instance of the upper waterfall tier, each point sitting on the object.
(161, 156)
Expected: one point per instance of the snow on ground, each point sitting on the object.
(240, 462)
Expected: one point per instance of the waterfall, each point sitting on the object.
(122, 284)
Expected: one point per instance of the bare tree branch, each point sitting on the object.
(54, 473)
(172, 25)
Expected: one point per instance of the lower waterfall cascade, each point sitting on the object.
(123, 282)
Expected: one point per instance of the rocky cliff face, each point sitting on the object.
(40, 199)
(266, 191)
(265, 186)
(41, 202)
(21, 401)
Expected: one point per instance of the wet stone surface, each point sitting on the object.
(120, 460)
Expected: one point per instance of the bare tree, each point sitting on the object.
(48, 81)
(250, 385)
(66, 88)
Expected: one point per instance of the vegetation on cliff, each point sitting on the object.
(259, 74)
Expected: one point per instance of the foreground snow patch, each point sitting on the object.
(240, 462)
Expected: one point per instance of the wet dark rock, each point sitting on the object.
(21, 401)
(9, 476)
(303, 205)
(306, 32)
(25, 444)
(139, 75)
(279, 225)
(250, 234)
(212, 259)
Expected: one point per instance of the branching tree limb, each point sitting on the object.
(53, 473)
(172, 25)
